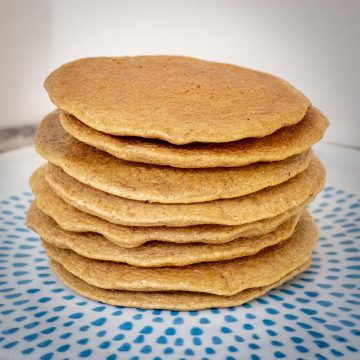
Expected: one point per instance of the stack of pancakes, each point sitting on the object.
(175, 183)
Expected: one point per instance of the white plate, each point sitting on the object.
(315, 316)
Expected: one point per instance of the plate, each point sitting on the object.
(315, 316)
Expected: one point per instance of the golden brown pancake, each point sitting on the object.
(177, 99)
(154, 253)
(220, 277)
(171, 300)
(71, 219)
(280, 145)
(163, 184)
(263, 204)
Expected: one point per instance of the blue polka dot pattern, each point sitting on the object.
(315, 316)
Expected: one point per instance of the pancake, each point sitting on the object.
(71, 219)
(154, 183)
(280, 145)
(172, 300)
(155, 253)
(173, 98)
(220, 278)
(246, 209)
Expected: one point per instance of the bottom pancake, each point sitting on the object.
(171, 300)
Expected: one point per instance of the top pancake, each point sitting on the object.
(280, 145)
(173, 98)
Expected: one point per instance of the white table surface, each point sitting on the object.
(342, 164)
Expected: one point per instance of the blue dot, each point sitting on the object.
(170, 331)
(248, 326)
(77, 315)
(48, 330)
(272, 332)
(301, 349)
(232, 348)
(336, 352)
(216, 340)
(105, 345)
(268, 322)
(161, 340)
(146, 349)
(126, 326)
(315, 334)
(229, 318)
(117, 313)
(85, 353)
(83, 341)
(321, 344)
(125, 347)
(204, 321)
(63, 348)
(332, 327)
(196, 331)
(179, 341)
(118, 337)
(47, 356)
(10, 345)
(297, 340)
(99, 322)
(168, 350)
(147, 330)
(158, 319)
(271, 311)
(28, 351)
(225, 330)
(279, 355)
(178, 321)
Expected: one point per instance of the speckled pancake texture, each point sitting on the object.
(154, 183)
(219, 278)
(155, 253)
(177, 99)
(283, 143)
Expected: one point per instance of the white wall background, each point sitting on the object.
(314, 44)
